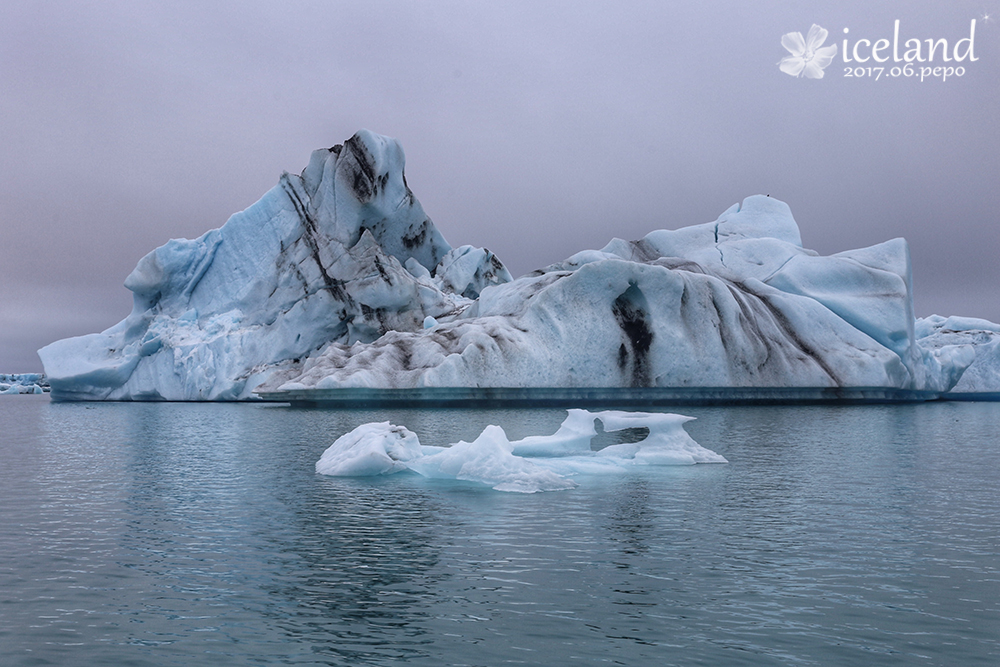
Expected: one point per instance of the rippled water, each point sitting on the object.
(173, 534)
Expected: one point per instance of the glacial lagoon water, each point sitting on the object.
(199, 534)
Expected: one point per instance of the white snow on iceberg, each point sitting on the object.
(536, 463)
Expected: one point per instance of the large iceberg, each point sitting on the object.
(337, 280)
(733, 303)
(341, 253)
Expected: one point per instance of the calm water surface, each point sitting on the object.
(174, 534)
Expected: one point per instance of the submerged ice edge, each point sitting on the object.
(533, 464)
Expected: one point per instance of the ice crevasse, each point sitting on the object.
(337, 278)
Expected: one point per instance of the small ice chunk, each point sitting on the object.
(370, 449)
(489, 460)
(429, 322)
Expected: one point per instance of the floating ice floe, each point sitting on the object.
(536, 463)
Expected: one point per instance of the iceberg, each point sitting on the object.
(23, 383)
(337, 281)
(733, 303)
(341, 253)
(531, 465)
(981, 379)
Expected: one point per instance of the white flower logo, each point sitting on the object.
(809, 57)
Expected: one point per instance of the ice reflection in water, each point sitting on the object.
(199, 534)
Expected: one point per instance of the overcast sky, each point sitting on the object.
(535, 129)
